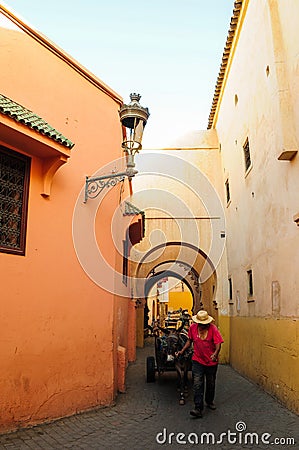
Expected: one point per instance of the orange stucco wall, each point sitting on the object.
(58, 341)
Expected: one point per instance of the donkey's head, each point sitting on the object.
(173, 345)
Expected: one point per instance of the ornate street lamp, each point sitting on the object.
(133, 118)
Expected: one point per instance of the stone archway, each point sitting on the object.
(174, 258)
(182, 299)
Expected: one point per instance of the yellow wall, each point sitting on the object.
(224, 328)
(179, 300)
(266, 351)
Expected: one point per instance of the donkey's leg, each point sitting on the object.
(180, 374)
(185, 378)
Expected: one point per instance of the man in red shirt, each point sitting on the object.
(207, 341)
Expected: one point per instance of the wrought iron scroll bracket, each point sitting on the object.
(95, 185)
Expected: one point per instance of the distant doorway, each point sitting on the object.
(168, 295)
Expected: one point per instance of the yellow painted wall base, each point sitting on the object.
(266, 351)
(224, 328)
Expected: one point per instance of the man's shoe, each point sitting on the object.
(211, 406)
(196, 412)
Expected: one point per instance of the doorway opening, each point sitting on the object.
(169, 295)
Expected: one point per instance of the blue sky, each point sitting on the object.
(167, 50)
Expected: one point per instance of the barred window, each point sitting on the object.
(14, 187)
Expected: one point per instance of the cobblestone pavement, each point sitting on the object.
(146, 415)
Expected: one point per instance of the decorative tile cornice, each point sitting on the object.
(225, 58)
(23, 115)
(131, 210)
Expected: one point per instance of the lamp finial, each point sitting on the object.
(135, 97)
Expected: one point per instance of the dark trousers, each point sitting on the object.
(203, 375)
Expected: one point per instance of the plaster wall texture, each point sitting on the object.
(59, 345)
(265, 350)
(186, 196)
(259, 101)
(261, 230)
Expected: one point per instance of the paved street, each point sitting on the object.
(146, 415)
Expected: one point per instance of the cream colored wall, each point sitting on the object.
(288, 17)
(261, 233)
(201, 150)
(261, 230)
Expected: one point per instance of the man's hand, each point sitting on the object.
(214, 356)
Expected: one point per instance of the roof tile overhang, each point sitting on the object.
(132, 210)
(225, 57)
(24, 131)
(23, 115)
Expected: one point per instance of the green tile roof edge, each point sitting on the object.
(131, 210)
(23, 115)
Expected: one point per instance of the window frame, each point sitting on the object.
(227, 192)
(230, 289)
(125, 262)
(21, 250)
(247, 156)
(250, 289)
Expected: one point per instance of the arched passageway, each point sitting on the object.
(168, 295)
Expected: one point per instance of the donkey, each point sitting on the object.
(175, 342)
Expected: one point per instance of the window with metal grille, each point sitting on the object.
(247, 158)
(14, 187)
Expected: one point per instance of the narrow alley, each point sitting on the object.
(148, 416)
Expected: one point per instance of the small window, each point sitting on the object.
(125, 262)
(14, 189)
(227, 191)
(230, 290)
(250, 283)
(247, 158)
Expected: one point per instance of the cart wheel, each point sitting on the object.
(150, 369)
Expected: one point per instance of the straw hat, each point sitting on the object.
(202, 317)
